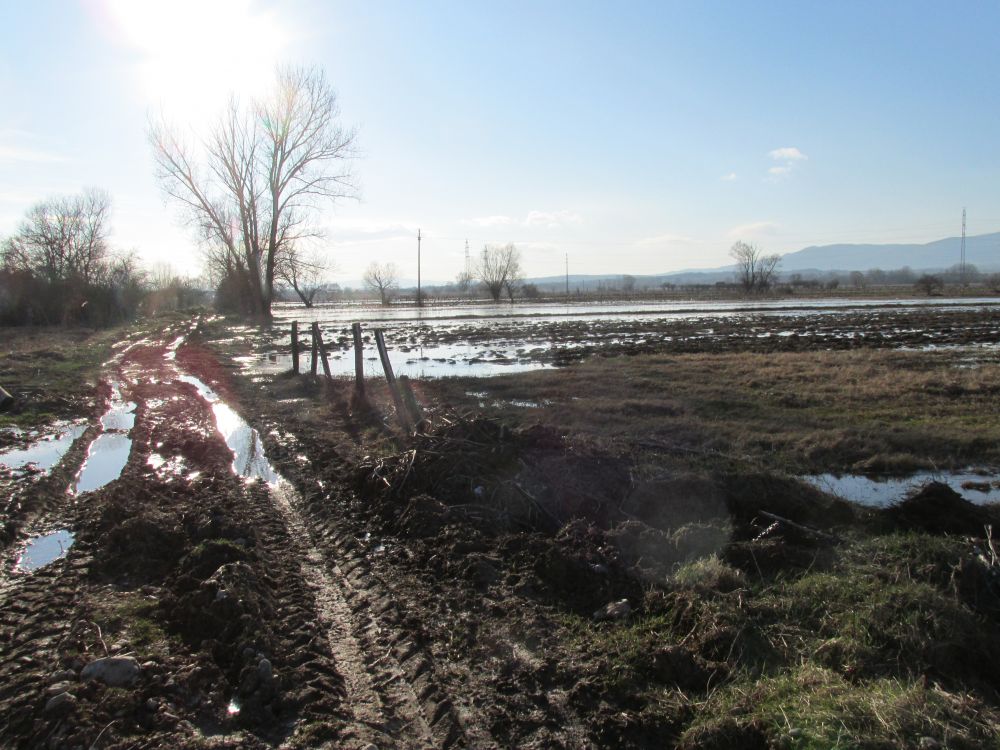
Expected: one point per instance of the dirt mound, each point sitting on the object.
(524, 479)
(676, 501)
(747, 494)
(938, 509)
(656, 553)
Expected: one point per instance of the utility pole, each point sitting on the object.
(961, 262)
(468, 261)
(420, 297)
(567, 274)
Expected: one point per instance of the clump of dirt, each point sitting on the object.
(512, 479)
(725, 734)
(749, 493)
(656, 553)
(938, 509)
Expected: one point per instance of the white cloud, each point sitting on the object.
(753, 229)
(357, 231)
(728, 177)
(549, 219)
(664, 239)
(29, 155)
(489, 221)
(789, 157)
(787, 154)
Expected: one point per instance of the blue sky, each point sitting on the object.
(636, 137)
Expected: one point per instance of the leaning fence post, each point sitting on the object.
(322, 351)
(295, 347)
(315, 349)
(359, 360)
(411, 400)
(390, 379)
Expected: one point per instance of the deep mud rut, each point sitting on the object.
(252, 620)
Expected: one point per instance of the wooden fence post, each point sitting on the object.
(295, 347)
(383, 354)
(6, 400)
(322, 352)
(359, 360)
(411, 400)
(315, 349)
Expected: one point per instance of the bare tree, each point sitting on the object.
(754, 270)
(261, 174)
(383, 278)
(464, 280)
(929, 284)
(499, 268)
(63, 239)
(304, 271)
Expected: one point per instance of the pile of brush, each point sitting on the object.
(473, 465)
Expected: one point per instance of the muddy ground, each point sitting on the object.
(492, 580)
(560, 340)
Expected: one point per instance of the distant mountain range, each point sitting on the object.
(982, 251)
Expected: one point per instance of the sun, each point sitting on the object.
(191, 55)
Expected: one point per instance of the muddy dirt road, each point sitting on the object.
(268, 562)
(230, 618)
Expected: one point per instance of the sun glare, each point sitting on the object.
(191, 55)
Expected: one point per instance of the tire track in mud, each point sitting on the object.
(343, 641)
(28, 631)
(392, 693)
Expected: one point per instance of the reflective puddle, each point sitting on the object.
(249, 460)
(44, 453)
(449, 360)
(108, 454)
(44, 549)
(879, 493)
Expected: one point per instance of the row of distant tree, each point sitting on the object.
(497, 271)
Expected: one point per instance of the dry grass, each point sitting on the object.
(875, 411)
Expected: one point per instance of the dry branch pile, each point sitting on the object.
(483, 470)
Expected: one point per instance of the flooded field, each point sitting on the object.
(482, 341)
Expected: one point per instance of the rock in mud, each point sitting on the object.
(59, 687)
(114, 671)
(614, 611)
(60, 705)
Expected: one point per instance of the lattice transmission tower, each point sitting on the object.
(961, 261)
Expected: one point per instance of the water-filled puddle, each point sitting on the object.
(879, 493)
(106, 458)
(44, 549)
(243, 440)
(108, 454)
(449, 360)
(45, 452)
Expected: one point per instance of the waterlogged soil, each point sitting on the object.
(489, 346)
(288, 567)
(578, 582)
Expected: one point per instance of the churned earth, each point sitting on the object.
(281, 564)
